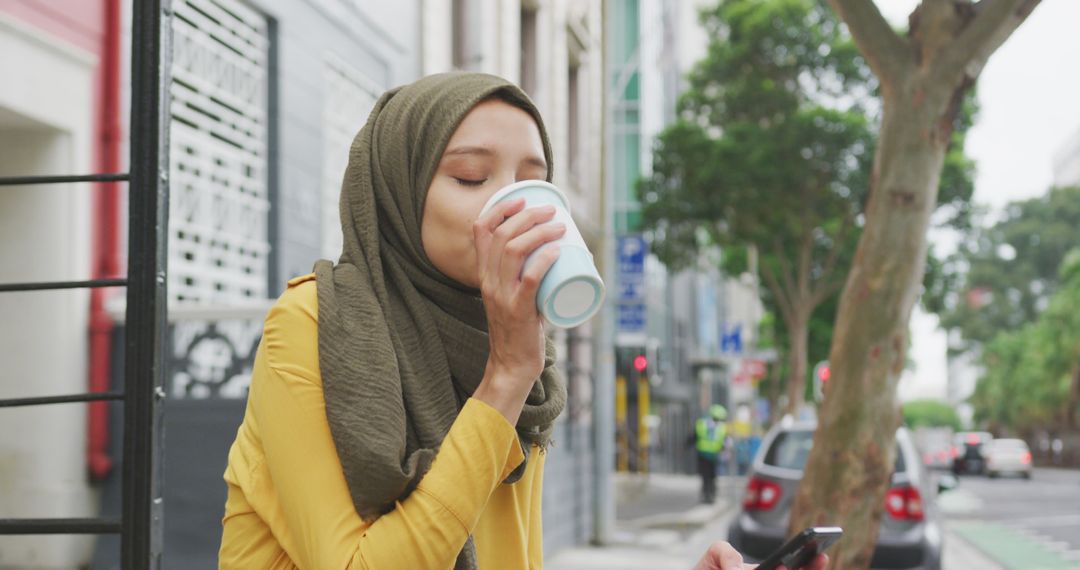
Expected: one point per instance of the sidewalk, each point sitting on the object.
(661, 525)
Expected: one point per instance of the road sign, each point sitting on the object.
(630, 289)
(731, 340)
(631, 255)
(631, 317)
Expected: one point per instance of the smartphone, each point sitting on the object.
(802, 548)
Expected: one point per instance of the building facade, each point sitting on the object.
(1066, 163)
(267, 96)
(57, 81)
(700, 327)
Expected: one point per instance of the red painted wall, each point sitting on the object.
(93, 26)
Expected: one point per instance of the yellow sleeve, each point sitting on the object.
(316, 523)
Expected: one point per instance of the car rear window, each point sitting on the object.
(1009, 444)
(791, 448)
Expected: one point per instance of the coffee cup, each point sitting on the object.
(571, 291)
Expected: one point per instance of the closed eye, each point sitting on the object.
(468, 182)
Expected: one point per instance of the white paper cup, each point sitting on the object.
(571, 291)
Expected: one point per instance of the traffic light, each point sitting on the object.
(822, 373)
(641, 363)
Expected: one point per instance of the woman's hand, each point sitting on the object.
(504, 237)
(723, 556)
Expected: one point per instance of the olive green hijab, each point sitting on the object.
(401, 345)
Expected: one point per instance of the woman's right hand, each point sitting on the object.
(504, 237)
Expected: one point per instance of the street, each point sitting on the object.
(1017, 522)
(662, 526)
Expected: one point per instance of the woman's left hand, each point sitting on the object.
(722, 556)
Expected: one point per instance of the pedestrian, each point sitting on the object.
(710, 433)
(401, 399)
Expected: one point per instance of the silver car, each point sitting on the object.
(1006, 456)
(910, 537)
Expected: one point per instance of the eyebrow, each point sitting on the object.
(484, 151)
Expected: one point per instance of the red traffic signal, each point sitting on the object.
(641, 363)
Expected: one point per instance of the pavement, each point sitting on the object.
(661, 525)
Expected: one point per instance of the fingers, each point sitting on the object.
(514, 226)
(721, 556)
(484, 228)
(534, 274)
(820, 562)
(520, 248)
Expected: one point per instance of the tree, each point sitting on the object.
(770, 150)
(924, 76)
(930, 413)
(1032, 374)
(1002, 276)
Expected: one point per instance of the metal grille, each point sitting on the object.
(349, 98)
(140, 526)
(219, 246)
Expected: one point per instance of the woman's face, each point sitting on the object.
(496, 144)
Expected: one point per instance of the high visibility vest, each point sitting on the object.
(710, 436)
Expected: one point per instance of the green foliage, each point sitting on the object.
(1003, 275)
(768, 150)
(1032, 373)
(930, 413)
(773, 148)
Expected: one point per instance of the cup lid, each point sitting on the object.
(510, 189)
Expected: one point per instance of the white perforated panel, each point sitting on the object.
(218, 242)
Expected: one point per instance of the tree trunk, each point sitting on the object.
(797, 357)
(924, 77)
(774, 393)
(854, 447)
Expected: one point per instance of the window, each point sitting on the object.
(790, 450)
(218, 233)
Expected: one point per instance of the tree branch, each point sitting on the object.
(993, 23)
(888, 54)
(830, 263)
(806, 246)
(785, 272)
(782, 301)
(826, 288)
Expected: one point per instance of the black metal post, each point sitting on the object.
(141, 537)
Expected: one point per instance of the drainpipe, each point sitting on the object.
(106, 260)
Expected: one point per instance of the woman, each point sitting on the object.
(401, 399)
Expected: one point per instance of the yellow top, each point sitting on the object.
(289, 506)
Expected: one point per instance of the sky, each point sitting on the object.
(1029, 97)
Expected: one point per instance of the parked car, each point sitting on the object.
(970, 455)
(1008, 456)
(910, 537)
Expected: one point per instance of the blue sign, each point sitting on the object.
(631, 255)
(630, 294)
(631, 291)
(731, 340)
(630, 317)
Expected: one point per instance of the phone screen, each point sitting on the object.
(802, 548)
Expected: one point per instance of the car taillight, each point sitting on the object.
(953, 452)
(904, 503)
(1026, 458)
(761, 495)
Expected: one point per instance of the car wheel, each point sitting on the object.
(992, 475)
(1027, 475)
